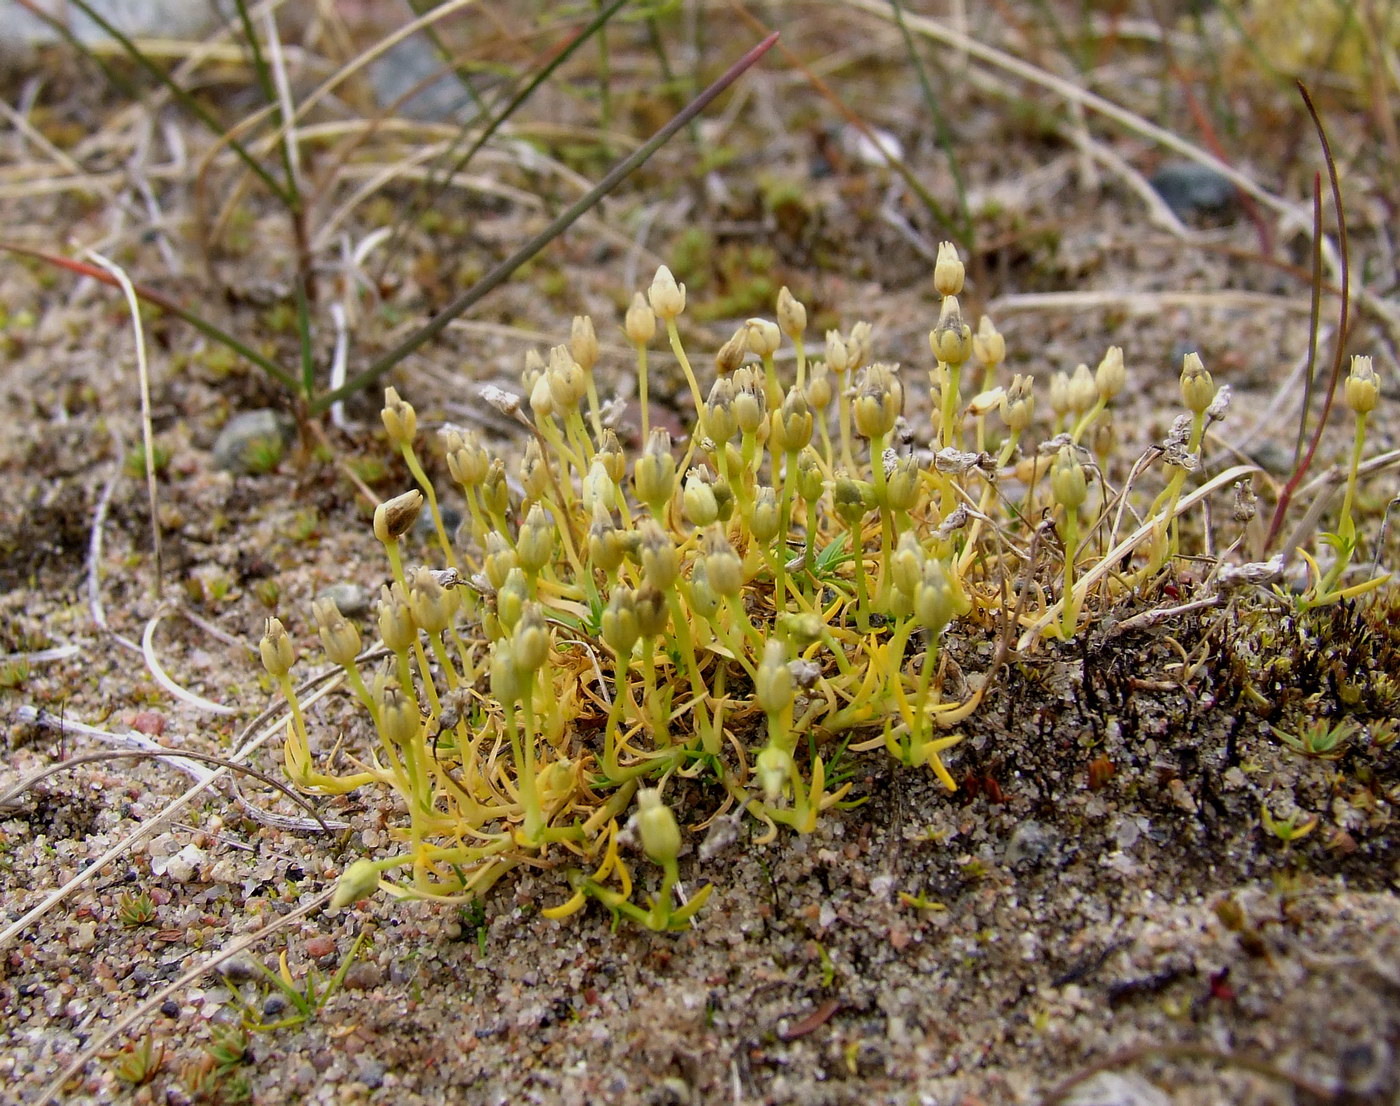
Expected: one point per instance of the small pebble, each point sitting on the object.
(86, 936)
(1193, 190)
(251, 436)
(170, 1008)
(362, 975)
(350, 599)
(317, 947)
(1031, 845)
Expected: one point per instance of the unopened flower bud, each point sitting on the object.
(1083, 392)
(1018, 404)
(877, 403)
(988, 344)
(704, 600)
(654, 473)
(511, 599)
(792, 316)
(731, 354)
(951, 339)
(500, 559)
(657, 828)
(718, 417)
(495, 491)
(773, 767)
(278, 653)
(810, 482)
(948, 270)
(339, 637)
(907, 564)
(762, 336)
(765, 518)
(606, 548)
(750, 402)
(858, 346)
(530, 639)
(400, 420)
(399, 722)
(660, 559)
(542, 398)
(790, 427)
(667, 298)
(358, 881)
(902, 485)
(395, 517)
(819, 392)
(1068, 483)
(534, 471)
(852, 499)
(653, 614)
(1111, 375)
(698, 499)
(612, 457)
(1197, 387)
(640, 322)
(507, 682)
(1059, 394)
(466, 459)
(772, 688)
(534, 547)
(619, 625)
(1363, 387)
(396, 625)
(583, 342)
(939, 598)
(837, 355)
(723, 567)
(432, 604)
(568, 382)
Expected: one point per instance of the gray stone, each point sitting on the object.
(245, 435)
(21, 30)
(1192, 190)
(350, 599)
(414, 81)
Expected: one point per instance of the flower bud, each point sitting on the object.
(718, 417)
(877, 403)
(704, 601)
(858, 346)
(511, 599)
(1068, 483)
(819, 391)
(542, 398)
(583, 342)
(902, 485)
(1111, 375)
(667, 298)
(395, 517)
(792, 315)
(534, 471)
(837, 356)
(724, 501)
(660, 560)
(278, 653)
(495, 491)
(619, 626)
(400, 420)
(939, 598)
(988, 344)
(762, 337)
(948, 270)
(466, 459)
(1018, 404)
(1059, 394)
(399, 722)
(951, 339)
(750, 402)
(610, 453)
(507, 684)
(654, 472)
(698, 498)
(530, 639)
(534, 547)
(772, 687)
(432, 604)
(606, 548)
(339, 637)
(568, 382)
(723, 567)
(640, 322)
(1083, 392)
(791, 425)
(653, 615)
(358, 881)
(499, 560)
(810, 481)
(395, 617)
(657, 828)
(852, 499)
(1363, 387)
(1197, 387)
(907, 564)
(773, 767)
(765, 518)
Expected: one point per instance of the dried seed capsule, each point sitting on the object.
(394, 517)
